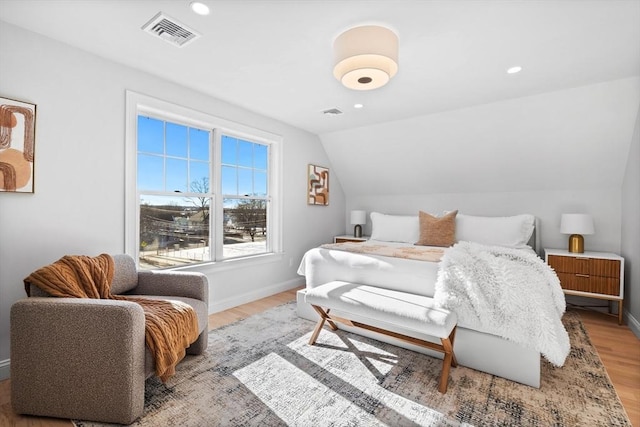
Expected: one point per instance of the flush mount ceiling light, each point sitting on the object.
(514, 70)
(366, 57)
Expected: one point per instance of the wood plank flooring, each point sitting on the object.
(618, 347)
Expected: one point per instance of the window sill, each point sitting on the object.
(233, 263)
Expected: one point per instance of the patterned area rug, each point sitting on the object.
(261, 372)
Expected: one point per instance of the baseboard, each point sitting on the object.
(4, 369)
(237, 300)
(633, 323)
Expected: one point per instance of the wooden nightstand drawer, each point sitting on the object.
(589, 266)
(565, 264)
(587, 283)
(604, 267)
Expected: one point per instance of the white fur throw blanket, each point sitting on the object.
(506, 292)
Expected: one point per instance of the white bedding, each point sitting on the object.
(505, 292)
(514, 306)
(321, 265)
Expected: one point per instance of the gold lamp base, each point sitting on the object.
(576, 243)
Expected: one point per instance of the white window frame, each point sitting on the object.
(139, 104)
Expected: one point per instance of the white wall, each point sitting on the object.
(78, 205)
(573, 139)
(631, 231)
(604, 205)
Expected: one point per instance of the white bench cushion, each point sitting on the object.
(404, 310)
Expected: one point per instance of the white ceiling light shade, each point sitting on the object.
(514, 70)
(365, 57)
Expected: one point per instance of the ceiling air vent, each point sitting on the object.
(170, 30)
(332, 112)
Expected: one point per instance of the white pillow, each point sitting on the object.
(510, 231)
(395, 228)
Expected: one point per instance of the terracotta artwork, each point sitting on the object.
(17, 142)
(317, 185)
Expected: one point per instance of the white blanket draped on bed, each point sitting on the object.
(506, 292)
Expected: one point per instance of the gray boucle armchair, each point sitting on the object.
(86, 359)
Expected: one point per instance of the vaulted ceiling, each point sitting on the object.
(275, 57)
(451, 107)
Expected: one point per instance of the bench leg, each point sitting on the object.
(316, 331)
(449, 359)
(446, 366)
(323, 316)
(452, 337)
(446, 347)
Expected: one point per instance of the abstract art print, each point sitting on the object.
(317, 185)
(17, 143)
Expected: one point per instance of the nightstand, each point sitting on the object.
(347, 238)
(589, 274)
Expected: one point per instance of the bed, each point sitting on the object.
(477, 346)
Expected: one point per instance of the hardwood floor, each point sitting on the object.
(618, 347)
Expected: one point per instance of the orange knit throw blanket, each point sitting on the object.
(170, 326)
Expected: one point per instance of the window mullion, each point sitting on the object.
(216, 172)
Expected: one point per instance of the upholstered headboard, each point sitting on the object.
(534, 240)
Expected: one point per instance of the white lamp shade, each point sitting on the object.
(365, 57)
(576, 224)
(358, 217)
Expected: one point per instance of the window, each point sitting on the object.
(205, 188)
(244, 192)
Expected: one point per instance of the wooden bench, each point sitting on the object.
(386, 312)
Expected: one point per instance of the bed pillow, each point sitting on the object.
(437, 231)
(509, 231)
(394, 228)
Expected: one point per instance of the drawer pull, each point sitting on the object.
(582, 275)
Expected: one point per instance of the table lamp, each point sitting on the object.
(576, 225)
(358, 218)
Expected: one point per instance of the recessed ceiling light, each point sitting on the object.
(514, 70)
(199, 8)
(358, 105)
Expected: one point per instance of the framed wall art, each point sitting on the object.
(317, 185)
(17, 145)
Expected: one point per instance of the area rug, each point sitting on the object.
(260, 371)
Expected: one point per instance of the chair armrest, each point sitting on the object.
(172, 283)
(78, 358)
